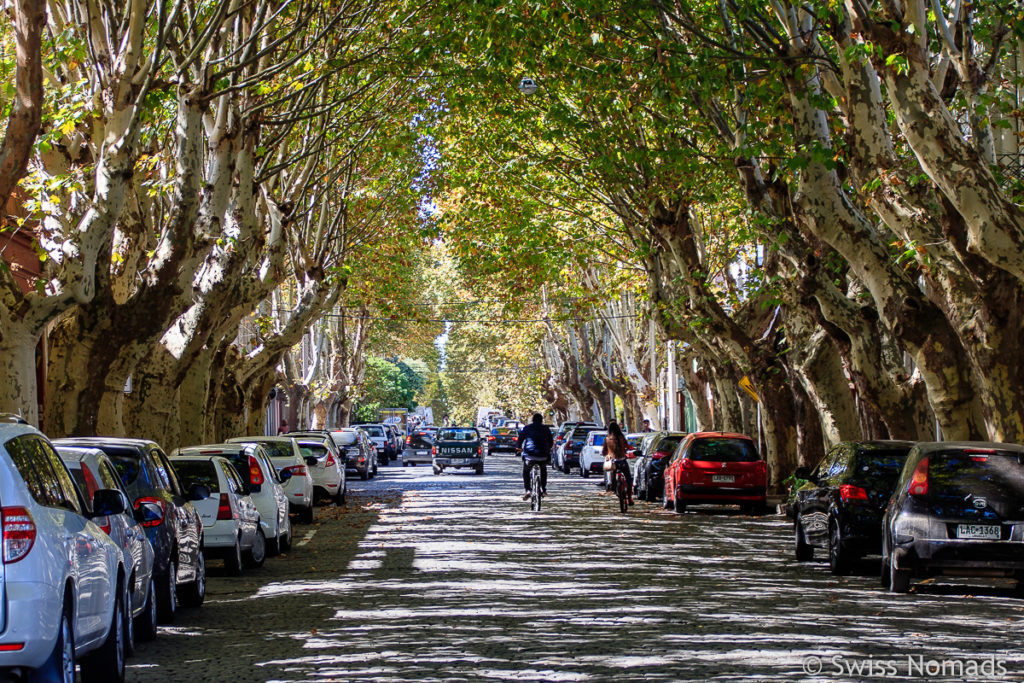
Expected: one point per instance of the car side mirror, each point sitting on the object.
(108, 502)
(198, 492)
(285, 475)
(803, 473)
(148, 513)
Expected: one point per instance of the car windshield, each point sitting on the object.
(599, 439)
(634, 441)
(192, 472)
(956, 475)
(721, 450)
(344, 438)
(878, 470)
(505, 431)
(128, 467)
(580, 433)
(457, 435)
(372, 430)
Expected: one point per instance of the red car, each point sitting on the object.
(716, 467)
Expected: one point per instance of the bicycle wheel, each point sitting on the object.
(535, 488)
(622, 488)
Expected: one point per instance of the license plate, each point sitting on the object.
(723, 478)
(985, 531)
(421, 453)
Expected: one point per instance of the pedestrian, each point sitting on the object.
(614, 452)
(283, 429)
(647, 426)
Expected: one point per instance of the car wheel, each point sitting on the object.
(286, 539)
(479, 469)
(899, 579)
(339, 499)
(437, 470)
(666, 503)
(803, 551)
(364, 475)
(258, 553)
(838, 559)
(194, 592)
(233, 562)
(405, 463)
(129, 626)
(145, 623)
(584, 471)
(678, 504)
(107, 663)
(167, 597)
(60, 665)
(565, 468)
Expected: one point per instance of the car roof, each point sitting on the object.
(100, 441)
(708, 435)
(933, 446)
(258, 439)
(80, 452)
(212, 449)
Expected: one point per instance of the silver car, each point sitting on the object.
(63, 579)
(360, 454)
(92, 470)
(298, 485)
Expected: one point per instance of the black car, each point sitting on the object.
(572, 446)
(956, 510)
(840, 507)
(417, 447)
(503, 439)
(176, 533)
(650, 470)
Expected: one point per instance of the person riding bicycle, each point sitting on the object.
(535, 444)
(614, 449)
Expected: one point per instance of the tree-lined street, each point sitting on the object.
(453, 578)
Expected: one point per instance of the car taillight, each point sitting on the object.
(297, 470)
(224, 508)
(159, 503)
(408, 439)
(480, 449)
(919, 480)
(255, 473)
(491, 438)
(19, 532)
(331, 462)
(850, 492)
(433, 451)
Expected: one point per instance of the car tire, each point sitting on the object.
(145, 623)
(233, 560)
(129, 625)
(584, 471)
(193, 593)
(364, 475)
(803, 551)
(666, 503)
(60, 665)
(306, 515)
(167, 596)
(479, 469)
(437, 470)
(108, 662)
(839, 560)
(678, 505)
(899, 579)
(565, 468)
(339, 499)
(257, 555)
(286, 539)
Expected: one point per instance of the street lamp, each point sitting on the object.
(528, 86)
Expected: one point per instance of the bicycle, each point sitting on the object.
(621, 485)
(535, 488)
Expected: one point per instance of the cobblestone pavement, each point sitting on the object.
(452, 578)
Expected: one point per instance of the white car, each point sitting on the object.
(326, 464)
(379, 438)
(65, 592)
(285, 455)
(591, 459)
(92, 470)
(263, 485)
(231, 522)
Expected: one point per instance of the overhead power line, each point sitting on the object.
(489, 322)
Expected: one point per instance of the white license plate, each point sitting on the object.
(421, 453)
(986, 531)
(723, 478)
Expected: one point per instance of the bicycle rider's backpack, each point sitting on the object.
(531, 451)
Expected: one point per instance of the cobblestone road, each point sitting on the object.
(452, 578)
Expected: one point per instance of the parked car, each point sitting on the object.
(591, 460)
(503, 439)
(568, 454)
(298, 483)
(92, 471)
(395, 438)
(956, 510)
(841, 505)
(360, 454)
(326, 464)
(716, 467)
(418, 447)
(565, 428)
(64, 582)
(231, 521)
(385, 451)
(263, 484)
(458, 447)
(171, 521)
(656, 450)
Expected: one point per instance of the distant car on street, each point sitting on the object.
(718, 468)
(502, 439)
(458, 447)
(655, 449)
(591, 460)
(298, 483)
(418, 447)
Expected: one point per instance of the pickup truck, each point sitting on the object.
(458, 447)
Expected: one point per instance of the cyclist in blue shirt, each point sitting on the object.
(535, 444)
